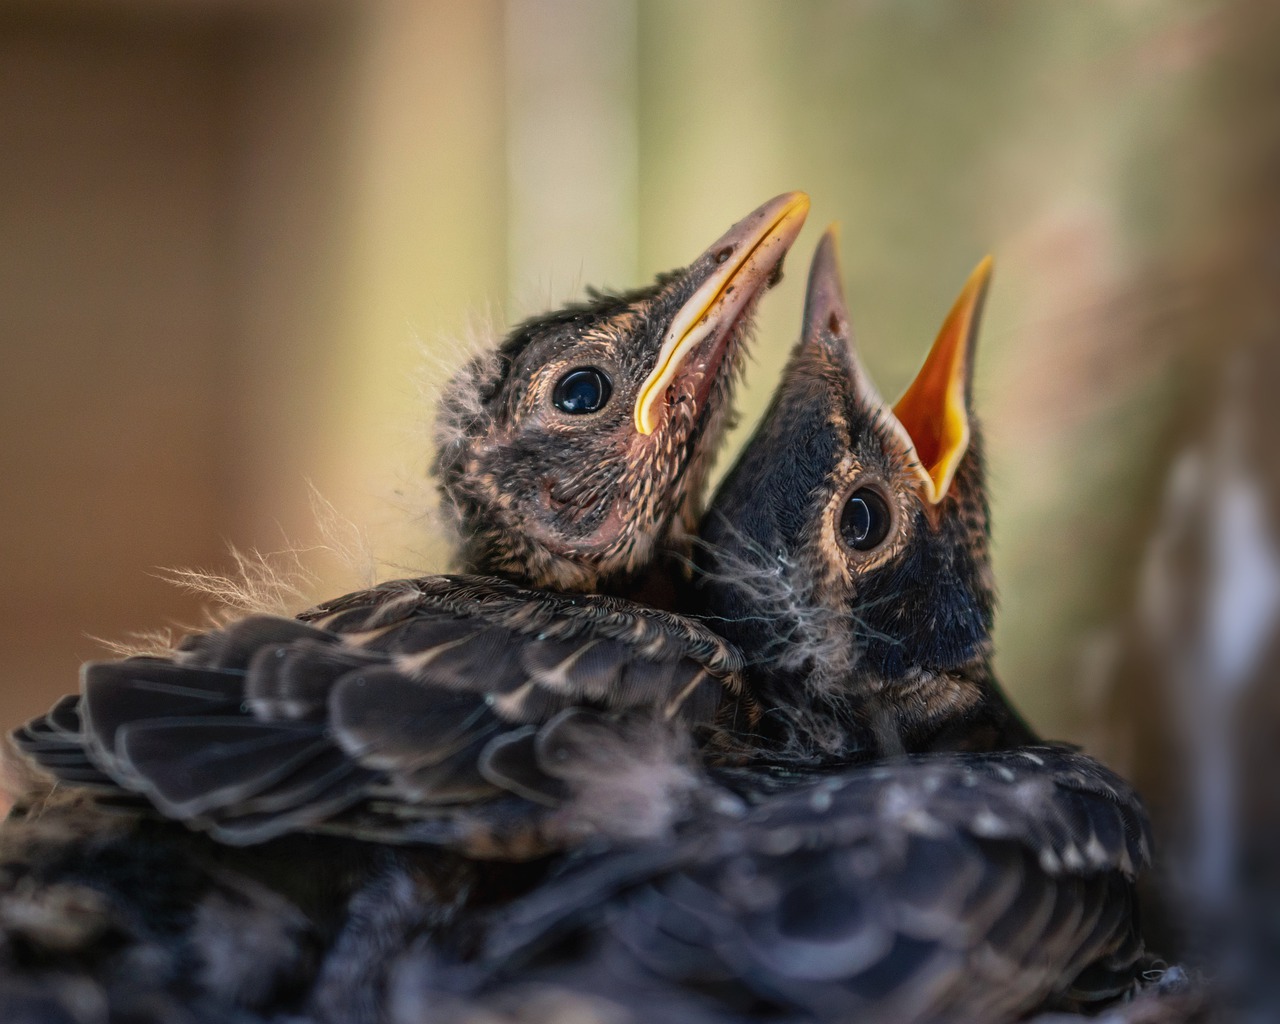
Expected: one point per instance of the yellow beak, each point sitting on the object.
(934, 409)
(745, 258)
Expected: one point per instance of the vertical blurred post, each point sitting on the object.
(423, 253)
(572, 149)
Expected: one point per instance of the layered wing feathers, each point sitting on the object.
(968, 886)
(389, 704)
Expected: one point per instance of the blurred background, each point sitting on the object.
(241, 241)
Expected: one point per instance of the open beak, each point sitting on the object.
(743, 261)
(934, 409)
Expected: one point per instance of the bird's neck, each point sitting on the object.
(806, 716)
(660, 580)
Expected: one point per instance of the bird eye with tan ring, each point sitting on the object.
(865, 520)
(583, 389)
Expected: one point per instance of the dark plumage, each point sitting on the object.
(425, 711)
(910, 853)
(956, 887)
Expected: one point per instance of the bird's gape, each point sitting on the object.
(694, 408)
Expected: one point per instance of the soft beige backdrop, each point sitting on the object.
(233, 235)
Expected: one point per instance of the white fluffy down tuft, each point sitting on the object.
(279, 582)
(634, 781)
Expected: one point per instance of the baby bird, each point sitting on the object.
(847, 551)
(434, 710)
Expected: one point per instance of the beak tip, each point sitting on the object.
(981, 276)
(788, 213)
(750, 253)
(934, 410)
(828, 248)
(825, 310)
(798, 202)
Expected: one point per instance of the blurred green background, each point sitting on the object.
(233, 234)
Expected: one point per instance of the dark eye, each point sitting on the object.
(585, 389)
(864, 523)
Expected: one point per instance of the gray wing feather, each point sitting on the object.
(400, 704)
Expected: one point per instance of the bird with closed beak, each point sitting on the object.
(422, 710)
(430, 711)
(574, 456)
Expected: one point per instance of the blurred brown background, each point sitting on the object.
(230, 229)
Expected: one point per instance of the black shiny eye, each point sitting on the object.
(864, 523)
(585, 389)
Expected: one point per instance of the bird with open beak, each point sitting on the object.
(854, 571)
(910, 854)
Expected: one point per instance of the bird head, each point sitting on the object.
(574, 453)
(847, 550)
